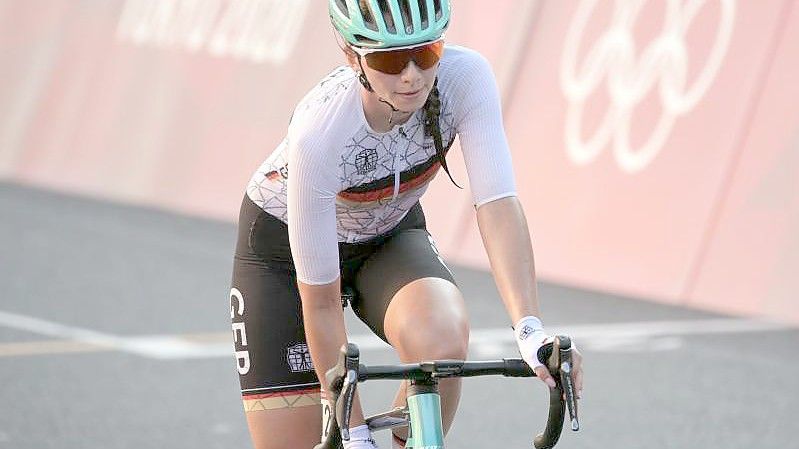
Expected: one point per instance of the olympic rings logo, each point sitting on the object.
(663, 63)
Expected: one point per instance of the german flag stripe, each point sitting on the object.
(388, 191)
(282, 393)
(388, 181)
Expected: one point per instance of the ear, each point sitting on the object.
(352, 59)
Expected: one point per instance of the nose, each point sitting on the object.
(411, 73)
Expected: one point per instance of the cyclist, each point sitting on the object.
(337, 203)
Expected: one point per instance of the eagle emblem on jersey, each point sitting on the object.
(299, 358)
(366, 161)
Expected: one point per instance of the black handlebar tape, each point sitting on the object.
(518, 368)
(549, 437)
(506, 367)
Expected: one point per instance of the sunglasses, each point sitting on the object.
(394, 60)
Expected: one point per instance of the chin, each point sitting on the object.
(410, 105)
(412, 108)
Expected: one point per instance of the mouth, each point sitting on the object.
(412, 94)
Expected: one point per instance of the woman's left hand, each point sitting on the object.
(542, 372)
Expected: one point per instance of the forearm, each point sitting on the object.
(506, 238)
(323, 318)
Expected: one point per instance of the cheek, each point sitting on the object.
(428, 76)
(431, 73)
(380, 80)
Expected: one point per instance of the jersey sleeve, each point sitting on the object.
(478, 115)
(311, 208)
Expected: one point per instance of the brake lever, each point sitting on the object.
(344, 403)
(557, 356)
(565, 371)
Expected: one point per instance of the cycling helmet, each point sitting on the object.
(389, 23)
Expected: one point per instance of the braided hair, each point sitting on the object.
(432, 127)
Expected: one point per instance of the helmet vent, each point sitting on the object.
(439, 11)
(388, 18)
(365, 40)
(423, 13)
(342, 7)
(407, 16)
(368, 17)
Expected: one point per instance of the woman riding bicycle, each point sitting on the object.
(337, 204)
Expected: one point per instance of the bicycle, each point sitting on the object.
(422, 414)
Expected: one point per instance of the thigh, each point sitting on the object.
(285, 428)
(279, 388)
(403, 260)
(271, 351)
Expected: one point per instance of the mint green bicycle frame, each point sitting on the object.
(426, 429)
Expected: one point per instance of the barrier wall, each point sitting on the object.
(655, 143)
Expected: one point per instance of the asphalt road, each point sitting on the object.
(114, 333)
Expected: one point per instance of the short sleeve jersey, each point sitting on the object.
(334, 179)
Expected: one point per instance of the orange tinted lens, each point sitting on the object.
(391, 62)
(394, 62)
(427, 56)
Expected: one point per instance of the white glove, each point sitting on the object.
(530, 336)
(360, 438)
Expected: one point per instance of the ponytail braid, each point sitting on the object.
(432, 127)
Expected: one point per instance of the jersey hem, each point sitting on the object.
(496, 197)
(314, 282)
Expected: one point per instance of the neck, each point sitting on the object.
(380, 115)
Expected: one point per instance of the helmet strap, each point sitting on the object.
(393, 109)
(368, 86)
(362, 77)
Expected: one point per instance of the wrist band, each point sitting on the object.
(528, 324)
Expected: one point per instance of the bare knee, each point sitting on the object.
(427, 320)
(436, 341)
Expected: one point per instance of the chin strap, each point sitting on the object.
(393, 109)
(362, 77)
(368, 86)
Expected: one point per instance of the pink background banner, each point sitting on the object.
(655, 143)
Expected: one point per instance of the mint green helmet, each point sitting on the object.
(389, 23)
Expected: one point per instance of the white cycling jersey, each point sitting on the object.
(334, 179)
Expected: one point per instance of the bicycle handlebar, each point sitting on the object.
(344, 377)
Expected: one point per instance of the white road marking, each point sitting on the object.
(618, 337)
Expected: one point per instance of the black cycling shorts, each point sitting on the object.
(271, 351)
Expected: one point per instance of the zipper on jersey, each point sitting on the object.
(396, 167)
